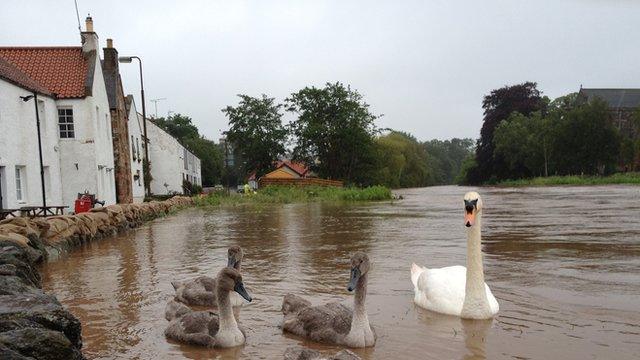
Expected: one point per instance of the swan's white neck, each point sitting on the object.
(360, 321)
(227, 319)
(475, 300)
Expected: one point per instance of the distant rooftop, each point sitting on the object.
(616, 98)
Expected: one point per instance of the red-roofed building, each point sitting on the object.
(77, 135)
(288, 170)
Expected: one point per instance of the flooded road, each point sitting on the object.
(564, 263)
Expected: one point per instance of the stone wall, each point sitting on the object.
(119, 125)
(33, 324)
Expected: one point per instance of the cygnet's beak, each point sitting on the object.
(355, 275)
(239, 288)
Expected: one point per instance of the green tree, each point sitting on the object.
(256, 132)
(402, 161)
(586, 141)
(334, 132)
(498, 106)
(445, 158)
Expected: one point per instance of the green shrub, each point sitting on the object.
(292, 194)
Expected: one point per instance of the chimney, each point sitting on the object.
(88, 24)
(110, 57)
(89, 37)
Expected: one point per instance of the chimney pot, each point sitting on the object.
(89, 24)
(109, 43)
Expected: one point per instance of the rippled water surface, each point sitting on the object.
(564, 263)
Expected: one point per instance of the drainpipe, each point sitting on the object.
(44, 195)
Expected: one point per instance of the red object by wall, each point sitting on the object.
(83, 204)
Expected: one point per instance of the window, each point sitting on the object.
(65, 123)
(138, 150)
(3, 186)
(133, 149)
(20, 184)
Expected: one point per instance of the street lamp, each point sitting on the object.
(35, 101)
(127, 60)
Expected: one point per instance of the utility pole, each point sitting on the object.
(155, 104)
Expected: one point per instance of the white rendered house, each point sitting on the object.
(20, 180)
(137, 149)
(81, 119)
(171, 163)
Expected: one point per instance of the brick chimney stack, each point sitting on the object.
(89, 37)
(110, 57)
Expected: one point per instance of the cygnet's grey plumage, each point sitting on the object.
(334, 322)
(300, 353)
(205, 328)
(201, 290)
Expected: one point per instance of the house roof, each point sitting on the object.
(299, 168)
(62, 70)
(615, 98)
(12, 74)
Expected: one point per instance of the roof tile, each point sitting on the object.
(62, 70)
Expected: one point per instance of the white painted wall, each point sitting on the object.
(137, 153)
(168, 162)
(165, 154)
(19, 147)
(87, 160)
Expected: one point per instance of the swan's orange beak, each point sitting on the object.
(469, 218)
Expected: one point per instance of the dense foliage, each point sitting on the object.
(562, 137)
(498, 106)
(403, 161)
(182, 128)
(257, 132)
(334, 132)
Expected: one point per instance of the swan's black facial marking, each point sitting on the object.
(470, 205)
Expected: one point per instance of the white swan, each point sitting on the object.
(456, 290)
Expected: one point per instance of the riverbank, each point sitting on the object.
(34, 324)
(291, 194)
(619, 178)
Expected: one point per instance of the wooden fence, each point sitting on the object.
(299, 182)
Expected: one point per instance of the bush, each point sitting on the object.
(292, 194)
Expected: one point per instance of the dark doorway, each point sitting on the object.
(1, 187)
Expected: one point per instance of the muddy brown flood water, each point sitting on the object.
(564, 263)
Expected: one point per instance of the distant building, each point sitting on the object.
(171, 163)
(81, 121)
(622, 105)
(288, 170)
(228, 156)
(136, 147)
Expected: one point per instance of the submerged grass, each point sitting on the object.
(618, 178)
(291, 194)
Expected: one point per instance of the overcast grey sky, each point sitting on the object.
(425, 65)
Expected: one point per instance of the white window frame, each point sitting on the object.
(21, 188)
(66, 124)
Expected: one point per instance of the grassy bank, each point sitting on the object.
(619, 178)
(285, 195)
